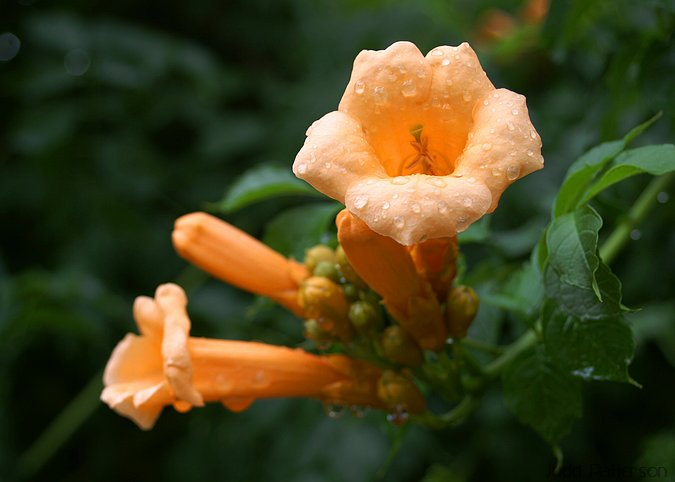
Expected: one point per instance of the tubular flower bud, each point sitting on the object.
(436, 261)
(322, 299)
(460, 310)
(421, 146)
(388, 269)
(318, 254)
(233, 256)
(164, 366)
(399, 347)
(399, 391)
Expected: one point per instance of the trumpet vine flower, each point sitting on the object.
(165, 366)
(420, 146)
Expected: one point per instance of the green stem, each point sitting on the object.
(482, 346)
(526, 340)
(455, 416)
(621, 234)
(61, 428)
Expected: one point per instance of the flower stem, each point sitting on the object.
(61, 429)
(526, 340)
(621, 234)
(455, 416)
(482, 346)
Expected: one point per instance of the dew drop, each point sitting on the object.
(359, 87)
(466, 96)
(510, 126)
(662, 197)
(533, 134)
(467, 202)
(496, 172)
(437, 181)
(437, 52)
(514, 111)
(327, 165)
(486, 102)
(487, 146)
(399, 416)
(512, 172)
(530, 153)
(415, 208)
(635, 234)
(260, 379)
(445, 62)
(385, 205)
(461, 223)
(471, 180)
(446, 107)
(334, 410)
(443, 207)
(399, 222)
(380, 95)
(408, 88)
(302, 168)
(360, 201)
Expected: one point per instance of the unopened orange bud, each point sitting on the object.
(399, 347)
(322, 299)
(460, 310)
(436, 261)
(398, 391)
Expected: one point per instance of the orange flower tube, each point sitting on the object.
(163, 366)
(237, 258)
(388, 268)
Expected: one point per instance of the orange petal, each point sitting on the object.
(503, 145)
(237, 258)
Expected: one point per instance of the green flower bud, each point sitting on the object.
(313, 331)
(351, 292)
(460, 310)
(400, 348)
(346, 269)
(327, 269)
(316, 254)
(365, 317)
(323, 300)
(398, 391)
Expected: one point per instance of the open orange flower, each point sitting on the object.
(420, 147)
(164, 366)
(239, 259)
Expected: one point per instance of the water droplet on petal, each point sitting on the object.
(487, 146)
(514, 111)
(533, 134)
(399, 222)
(496, 172)
(385, 205)
(415, 208)
(437, 52)
(400, 180)
(437, 181)
(380, 95)
(486, 102)
(467, 202)
(466, 96)
(530, 153)
(445, 62)
(512, 172)
(443, 207)
(359, 86)
(461, 223)
(327, 165)
(360, 201)
(408, 88)
(302, 168)
(261, 379)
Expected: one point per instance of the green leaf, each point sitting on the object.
(582, 172)
(572, 245)
(542, 395)
(261, 183)
(526, 290)
(592, 349)
(655, 160)
(299, 228)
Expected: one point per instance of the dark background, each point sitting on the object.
(118, 117)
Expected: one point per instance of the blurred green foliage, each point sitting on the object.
(117, 118)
